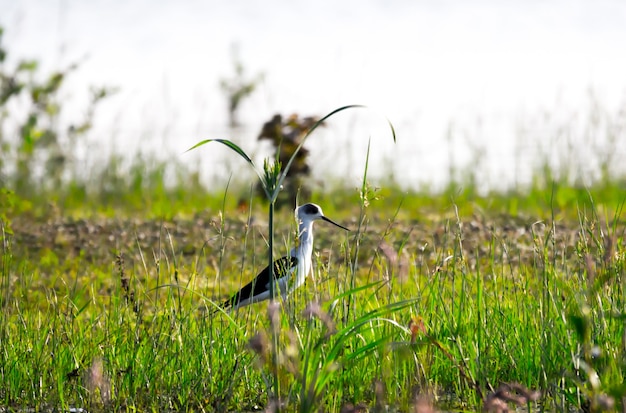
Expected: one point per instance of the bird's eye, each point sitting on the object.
(311, 209)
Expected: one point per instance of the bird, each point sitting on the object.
(290, 271)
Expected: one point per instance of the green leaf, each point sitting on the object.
(240, 152)
(228, 143)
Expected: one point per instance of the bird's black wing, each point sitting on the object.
(261, 282)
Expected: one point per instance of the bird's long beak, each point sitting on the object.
(334, 223)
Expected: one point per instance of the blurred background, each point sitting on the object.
(485, 92)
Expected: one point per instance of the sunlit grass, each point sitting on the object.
(455, 299)
(525, 297)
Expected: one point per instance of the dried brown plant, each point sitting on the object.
(314, 310)
(498, 401)
(423, 404)
(398, 264)
(259, 344)
(352, 408)
(97, 382)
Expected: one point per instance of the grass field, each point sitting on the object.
(447, 301)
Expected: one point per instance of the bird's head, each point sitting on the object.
(312, 212)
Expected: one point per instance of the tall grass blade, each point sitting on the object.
(233, 146)
(226, 142)
(284, 172)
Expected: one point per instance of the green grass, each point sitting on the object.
(531, 294)
(456, 299)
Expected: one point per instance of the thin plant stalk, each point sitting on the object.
(276, 386)
(363, 206)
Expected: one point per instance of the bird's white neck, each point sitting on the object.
(303, 251)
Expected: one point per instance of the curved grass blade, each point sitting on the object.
(374, 315)
(233, 146)
(284, 172)
(322, 375)
(357, 289)
(228, 143)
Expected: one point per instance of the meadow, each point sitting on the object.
(450, 301)
(455, 300)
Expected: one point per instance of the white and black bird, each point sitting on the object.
(290, 271)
